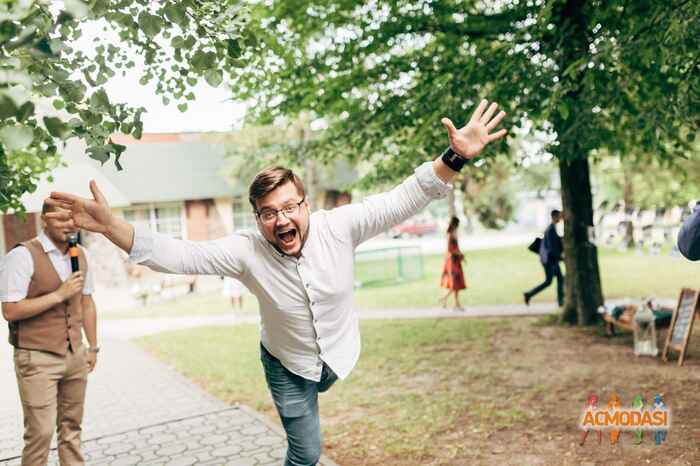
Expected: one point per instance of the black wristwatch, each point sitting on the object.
(453, 160)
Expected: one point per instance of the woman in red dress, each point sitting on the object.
(452, 274)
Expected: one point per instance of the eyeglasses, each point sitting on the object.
(270, 215)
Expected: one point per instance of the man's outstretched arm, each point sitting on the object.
(157, 251)
(378, 213)
(689, 236)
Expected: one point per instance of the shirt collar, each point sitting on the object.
(46, 242)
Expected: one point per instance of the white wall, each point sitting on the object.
(2, 237)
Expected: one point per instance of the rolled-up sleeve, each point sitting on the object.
(689, 236)
(16, 270)
(226, 256)
(376, 214)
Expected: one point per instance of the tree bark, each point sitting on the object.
(583, 288)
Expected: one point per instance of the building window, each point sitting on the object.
(243, 217)
(162, 218)
(169, 221)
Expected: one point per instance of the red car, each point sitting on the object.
(413, 229)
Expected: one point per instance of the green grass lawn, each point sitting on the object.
(499, 276)
(452, 392)
(395, 356)
(494, 276)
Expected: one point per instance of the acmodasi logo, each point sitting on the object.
(615, 418)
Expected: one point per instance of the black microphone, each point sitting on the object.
(73, 251)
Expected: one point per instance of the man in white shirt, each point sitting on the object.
(47, 308)
(299, 266)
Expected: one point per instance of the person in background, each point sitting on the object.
(550, 256)
(452, 274)
(234, 290)
(689, 236)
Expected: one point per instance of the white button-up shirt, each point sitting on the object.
(17, 268)
(306, 307)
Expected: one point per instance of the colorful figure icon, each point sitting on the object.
(591, 405)
(638, 403)
(659, 434)
(613, 405)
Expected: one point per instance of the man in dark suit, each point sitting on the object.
(689, 236)
(550, 255)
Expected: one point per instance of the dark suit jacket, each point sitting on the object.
(551, 248)
(689, 236)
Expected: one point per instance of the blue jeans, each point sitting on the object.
(296, 400)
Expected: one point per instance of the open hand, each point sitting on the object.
(470, 140)
(78, 212)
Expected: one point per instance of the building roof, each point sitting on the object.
(165, 167)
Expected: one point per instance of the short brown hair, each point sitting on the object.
(270, 179)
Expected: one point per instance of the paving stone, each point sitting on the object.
(140, 412)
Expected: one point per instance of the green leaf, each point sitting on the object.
(100, 101)
(178, 42)
(99, 153)
(182, 107)
(138, 130)
(25, 111)
(177, 14)
(214, 77)
(233, 48)
(189, 42)
(564, 111)
(58, 104)
(56, 127)
(16, 137)
(8, 108)
(150, 24)
(202, 61)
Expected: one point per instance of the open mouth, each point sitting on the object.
(287, 237)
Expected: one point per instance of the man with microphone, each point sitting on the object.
(45, 290)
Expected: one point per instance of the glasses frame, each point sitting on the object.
(277, 212)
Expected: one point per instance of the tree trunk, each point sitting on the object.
(583, 289)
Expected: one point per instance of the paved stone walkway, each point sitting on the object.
(141, 412)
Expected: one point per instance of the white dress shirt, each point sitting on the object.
(306, 307)
(17, 268)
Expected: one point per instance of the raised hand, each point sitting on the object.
(470, 140)
(88, 214)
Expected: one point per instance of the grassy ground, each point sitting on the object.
(464, 391)
(494, 276)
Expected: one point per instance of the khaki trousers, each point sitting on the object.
(52, 390)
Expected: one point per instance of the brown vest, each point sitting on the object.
(54, 328)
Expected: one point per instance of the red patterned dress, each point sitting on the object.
(452, 274)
